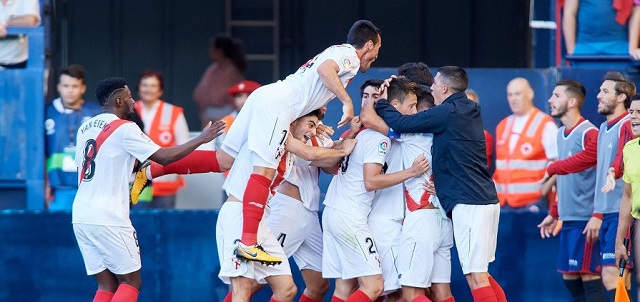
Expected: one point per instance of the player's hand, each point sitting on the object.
(545, 178)
(635, 53)
(547, 227)
(212, 130)
(419, 166)
(356, 124)
(324, 131)
(383, 88)
(430, 188)
(347, 145)
(347, 114)
(610, 181)
(592, 230)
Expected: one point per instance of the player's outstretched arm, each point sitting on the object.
(312, 154)
(168, 155)
(371, 119)
(328, 72)
(376, 179)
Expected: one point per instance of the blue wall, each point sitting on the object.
(40, 260)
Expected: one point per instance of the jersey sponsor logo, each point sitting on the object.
(526, 148)
(382, 147)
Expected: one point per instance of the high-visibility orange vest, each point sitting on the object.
(161, 132)
(517, 174)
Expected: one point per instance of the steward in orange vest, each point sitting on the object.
(517, 173)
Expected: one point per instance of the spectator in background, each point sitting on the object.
(166, 126)
(14, 51)
(472, 95)
(228, 69)
(526, 143)
(62, 119)
(596, 27)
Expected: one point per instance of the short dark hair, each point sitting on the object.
(455, 77)
(107, 87)
(370, 82)
(75, 71)
(400, 87)
(417, 72)
(361, 32)
(425, 101)
(635, 97)
(623, 86)
(231, 48)
(574, 89)
(150, 73)
(317, 113)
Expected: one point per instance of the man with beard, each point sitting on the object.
(578, 258)
(613, 100)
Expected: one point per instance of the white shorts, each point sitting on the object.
(298, 231)
(475, 229)
(348, 247)
(386, 234)
(263, 124)
(425, 250)
(108, 247)
(228, 231)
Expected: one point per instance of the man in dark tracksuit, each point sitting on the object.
(461, 179)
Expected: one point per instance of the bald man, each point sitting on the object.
(525, 144)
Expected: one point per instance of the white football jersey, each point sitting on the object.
(389, 203)
(305, 177)
(414, 144)
(346, 191)
(236, 182)
(305, 85)
(103, 192)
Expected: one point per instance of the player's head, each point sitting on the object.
(241, 91)
(472, 95)
(366, 38)
(567, 95)
(114, 93)
(150, 85)
(370, 89)
(520, 96)
(448, 80)
(305, 126)
(615, 92)
(419, 73)
(403, 95)
(71, 85)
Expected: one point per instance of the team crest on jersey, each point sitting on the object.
(382, 147)
(526, 148)
(346, 63)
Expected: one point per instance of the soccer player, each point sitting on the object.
(464, 187)
(242, 275)
(349, 253)
(264, 120)
(579, 255)
(613, 100)
(108, 148)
